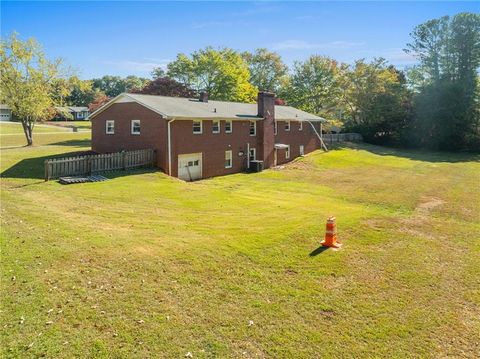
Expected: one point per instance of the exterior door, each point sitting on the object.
(190, 166)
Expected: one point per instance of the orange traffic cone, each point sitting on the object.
(331, 234)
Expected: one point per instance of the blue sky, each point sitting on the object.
(122, 38)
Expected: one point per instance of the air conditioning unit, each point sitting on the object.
(256, 166)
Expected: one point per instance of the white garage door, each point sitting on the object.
(190, 166)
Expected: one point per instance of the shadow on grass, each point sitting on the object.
(318, 251)
(417, 155)
(76, 143)
(34, 167)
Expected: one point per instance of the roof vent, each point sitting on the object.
(215, 110)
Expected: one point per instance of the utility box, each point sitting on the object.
(256, 166)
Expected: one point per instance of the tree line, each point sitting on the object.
(434, 104)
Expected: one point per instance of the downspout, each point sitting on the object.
(319, 137)
(169, 131)
(248, 156)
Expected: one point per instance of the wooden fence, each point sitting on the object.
(330, 138)
(89, 164)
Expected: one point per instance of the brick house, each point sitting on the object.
(198, 138)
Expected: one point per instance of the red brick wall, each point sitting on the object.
(296, 137)
(213, 146)
(153, 131)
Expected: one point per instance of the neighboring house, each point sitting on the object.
(77, 113)
(5, 113)
(197, 138)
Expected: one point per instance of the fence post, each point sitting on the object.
(45, 164)
(124, 160)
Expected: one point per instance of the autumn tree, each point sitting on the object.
(100, 100)
(313, 86)
(27, 81)
(165, 86)
(223, 73)
(267, 69)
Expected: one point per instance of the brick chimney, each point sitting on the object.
(266, 109)
(203, 97)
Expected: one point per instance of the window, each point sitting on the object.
(301, 126)
(216, 126)
(135, 127)
(228, 126)
(287, 125)
(110, 127)
(253, 128)
(197, 127)
(252, 156)
(287, 152)
(302, 150)
(275, 127)
(80, 115)
(228, 159)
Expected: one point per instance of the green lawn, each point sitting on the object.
(144, 265)
(80, 125)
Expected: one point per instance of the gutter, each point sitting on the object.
(169, 147)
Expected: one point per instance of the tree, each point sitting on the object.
(100, 100)
(115, 85)
(449, 52)
(27, 79)
(165, 86)
(378, 103)
(82, 93)
(266, 69)
(222, 73)
(157, 72)
(313, 86)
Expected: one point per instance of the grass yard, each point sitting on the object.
(144, 265)
(79, 125)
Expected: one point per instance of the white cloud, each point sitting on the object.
(139, 66)
(305, 45)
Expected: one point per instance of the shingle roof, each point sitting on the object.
(78, 109)
(178, 107)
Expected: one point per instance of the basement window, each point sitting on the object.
(135, 127)
(253, 128)
(228, 126)
(287, 152)
(110, 127)
(302, 150)
(197, 127)
(228, 159)
(287, 125)
(216, 126)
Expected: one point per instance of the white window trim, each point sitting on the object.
(113, 127)
(302, 150)
(213, 124)
(287, 123)
(131, 127)
(275, 127)
(201, 127)
(301, 126)
(231, 158)
(254, 154)
(254, 128)
(231, 126)
(287, 152)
